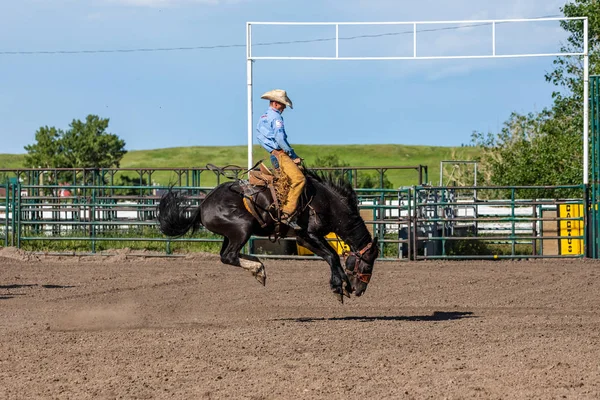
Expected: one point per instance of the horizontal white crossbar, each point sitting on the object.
(415, 31)
(422, 57)
(471, 21)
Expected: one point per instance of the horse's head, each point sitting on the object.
(359, 266)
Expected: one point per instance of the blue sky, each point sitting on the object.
(198, 97)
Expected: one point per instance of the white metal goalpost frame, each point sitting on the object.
(415, 56)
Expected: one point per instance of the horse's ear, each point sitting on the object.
(375, 241)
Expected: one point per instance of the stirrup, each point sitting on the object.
(291, 222)
(294, 225)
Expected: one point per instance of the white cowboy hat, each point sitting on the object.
(279, 96)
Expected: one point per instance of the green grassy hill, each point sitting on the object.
(11, 160)
(354, 155)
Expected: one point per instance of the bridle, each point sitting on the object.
(356, 271)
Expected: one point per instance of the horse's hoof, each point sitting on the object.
(340, 297)
(261, 276)
(347, 289)
(262, 279)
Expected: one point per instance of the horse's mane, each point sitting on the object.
(340, 186)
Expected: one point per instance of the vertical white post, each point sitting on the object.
(494, 38)
(415, 40)
(337, 40)
(249, 84)
(586, 104)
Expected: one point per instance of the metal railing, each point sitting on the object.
(91, 215)
(411, 223)
(185, 176)
(5, 212)
(507, 227)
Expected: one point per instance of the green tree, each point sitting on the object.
(568, 72)
(86, 144)
(529, 151)
(47, 151)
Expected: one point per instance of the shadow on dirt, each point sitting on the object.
(16, 286)
(57, 286)
(7, 296)
(435, 317)
(19, 286)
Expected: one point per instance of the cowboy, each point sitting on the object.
(272, 137)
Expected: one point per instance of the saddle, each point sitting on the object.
(259, 180)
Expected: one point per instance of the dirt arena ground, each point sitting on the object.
(125, 327)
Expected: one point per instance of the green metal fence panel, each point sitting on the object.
(386, 213)
(4, 213)
(93, 202)
(420, 222)
(501, 226)
(14, 188)
(89, 219)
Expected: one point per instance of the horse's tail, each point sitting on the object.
(173, 211)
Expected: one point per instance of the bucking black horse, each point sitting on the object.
(326, 205)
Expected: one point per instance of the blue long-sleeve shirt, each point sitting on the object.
(271, 133)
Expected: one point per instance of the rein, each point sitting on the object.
(356, 271)
(237, 170)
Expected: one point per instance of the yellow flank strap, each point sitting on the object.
(247, 205)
